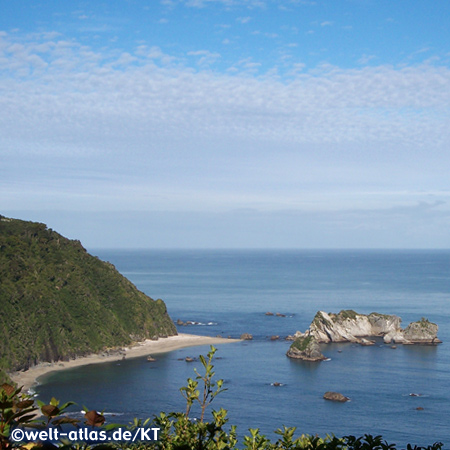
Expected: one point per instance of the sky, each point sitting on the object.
(228, 123)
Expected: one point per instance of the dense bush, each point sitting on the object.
(178, 431)
(59, 302)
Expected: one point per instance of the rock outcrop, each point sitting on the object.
(335, 397)
(421, 332)
(246, 336)
(349, 326)
(293, 337)
(305, 348)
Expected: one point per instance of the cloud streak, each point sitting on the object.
(68, 87)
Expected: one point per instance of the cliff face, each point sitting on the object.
(420, 332)
(349, 326)
(58, 302)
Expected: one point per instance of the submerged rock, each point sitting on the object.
(335, 397)
(305, 348)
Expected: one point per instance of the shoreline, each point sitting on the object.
(30, 377)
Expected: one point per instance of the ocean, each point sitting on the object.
(228, 292)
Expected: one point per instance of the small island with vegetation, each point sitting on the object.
(349, 326)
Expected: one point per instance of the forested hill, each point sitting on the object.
(58, 302)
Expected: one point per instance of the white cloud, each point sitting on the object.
(365, 59)
(328, 105)
(144, 130)
(206, 57)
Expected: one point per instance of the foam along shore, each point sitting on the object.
(29, 377)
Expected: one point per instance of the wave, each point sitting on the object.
(200, 324)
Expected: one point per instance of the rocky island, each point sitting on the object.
(349, 326)
(306, 348)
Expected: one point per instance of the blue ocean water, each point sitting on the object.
(228, 292)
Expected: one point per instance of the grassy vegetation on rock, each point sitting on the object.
(302, 343)
(347, 314)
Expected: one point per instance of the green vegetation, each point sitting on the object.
(319, 319)
(347, 314)
(424, 322)
(377, 315)
(178, 431)
(302, 343)
(59, 302)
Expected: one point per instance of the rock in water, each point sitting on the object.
(246, 336)
(335, 397)
(349, 326)
(421, 332)
(294, 336)
(305, 348)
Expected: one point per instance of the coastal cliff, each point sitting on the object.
(349, 326)
(421, 332)
(59, 302)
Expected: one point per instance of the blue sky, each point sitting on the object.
(228, 123)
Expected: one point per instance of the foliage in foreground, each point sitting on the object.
(178, 431)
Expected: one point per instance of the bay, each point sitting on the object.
(228, 292)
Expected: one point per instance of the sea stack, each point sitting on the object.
(305, 348)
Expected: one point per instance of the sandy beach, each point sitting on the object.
(29, 377)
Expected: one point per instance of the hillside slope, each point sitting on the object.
(58, 302)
